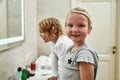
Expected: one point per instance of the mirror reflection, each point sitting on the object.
(11, 23)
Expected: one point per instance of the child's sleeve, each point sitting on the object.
(85, 56)
(54, 63)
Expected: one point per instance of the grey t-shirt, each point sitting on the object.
(69, 68)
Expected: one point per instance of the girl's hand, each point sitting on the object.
(52, 78)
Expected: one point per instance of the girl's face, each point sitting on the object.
(77, 27)
(45, 37)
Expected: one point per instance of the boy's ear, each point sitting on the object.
(90, 29)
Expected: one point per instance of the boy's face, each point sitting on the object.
(77, 27)
(45, 37)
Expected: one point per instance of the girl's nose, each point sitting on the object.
(74, 28)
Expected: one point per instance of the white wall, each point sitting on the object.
(14, 57)
(50, 8)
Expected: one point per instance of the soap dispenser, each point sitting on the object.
(19, 73)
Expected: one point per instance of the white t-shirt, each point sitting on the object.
(57, 51)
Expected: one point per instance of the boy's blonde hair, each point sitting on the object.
(79, 10)
(51, 26)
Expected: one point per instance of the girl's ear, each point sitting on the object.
(90, 28)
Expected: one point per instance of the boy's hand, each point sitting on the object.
(52, 78)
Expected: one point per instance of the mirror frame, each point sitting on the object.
(7, 43)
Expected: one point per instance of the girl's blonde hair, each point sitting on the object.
(79, 10)
(51, 26)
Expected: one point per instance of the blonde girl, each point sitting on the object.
(51, 31)
(80, 61)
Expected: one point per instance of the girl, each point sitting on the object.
(80, 61)
(51, 31)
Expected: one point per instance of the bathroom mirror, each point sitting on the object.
(11, 23)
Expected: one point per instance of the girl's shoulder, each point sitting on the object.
(90, 53)
(87, 49)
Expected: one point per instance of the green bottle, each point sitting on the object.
(24, 74)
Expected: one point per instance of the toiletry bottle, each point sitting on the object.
(24, 74)
(19, 73)
(32, 67)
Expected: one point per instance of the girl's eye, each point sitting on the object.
(81, 25)
(70, 25)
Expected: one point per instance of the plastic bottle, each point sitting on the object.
(32, 67)
(24, 74)
(19, 73)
